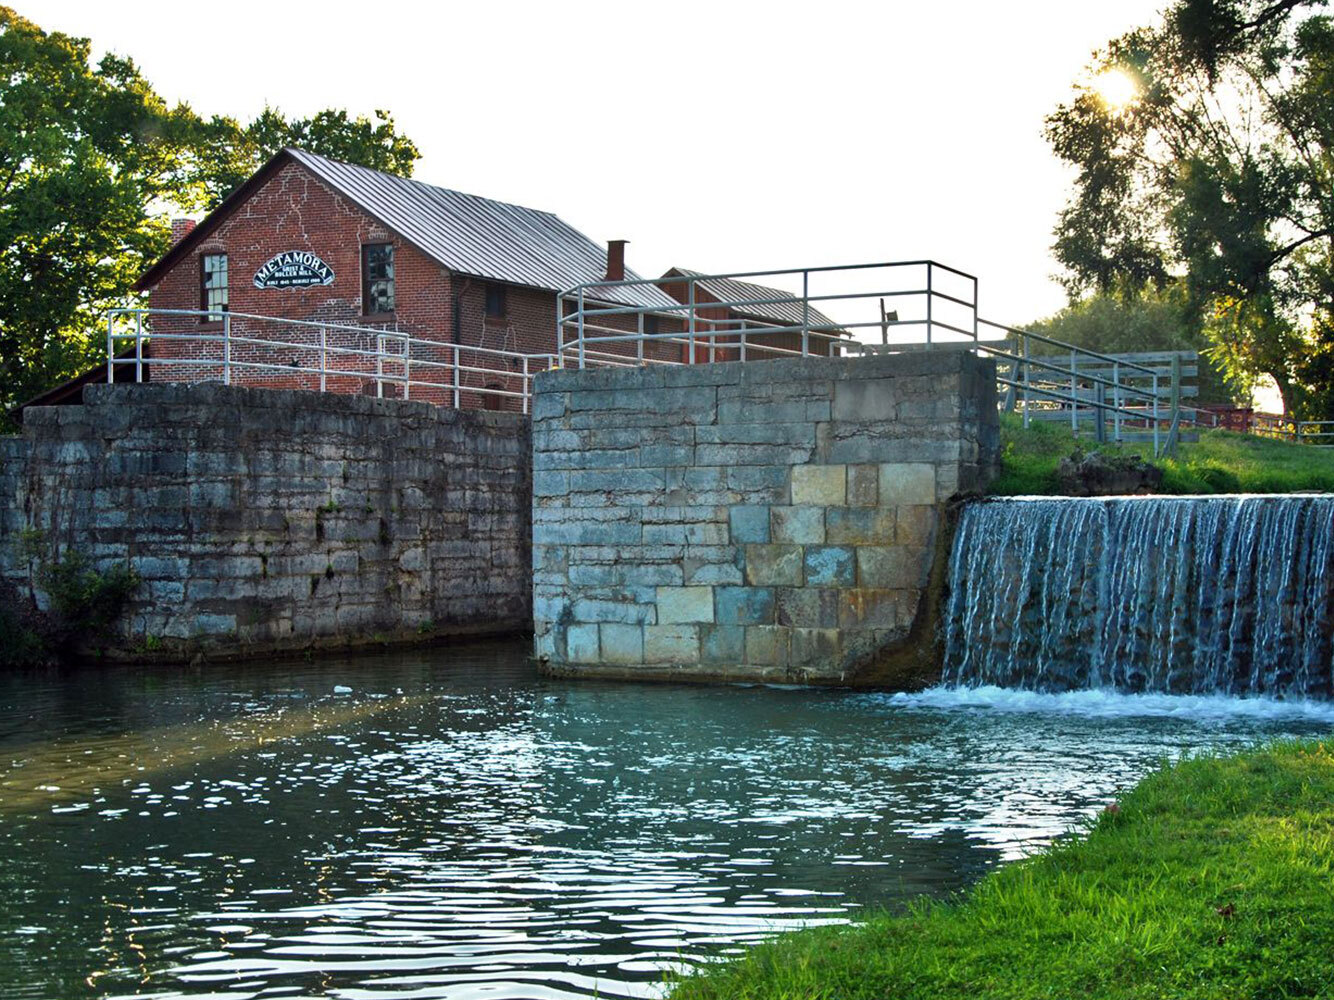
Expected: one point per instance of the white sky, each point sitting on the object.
(715, 136)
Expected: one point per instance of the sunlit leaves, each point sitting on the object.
(1218, 171)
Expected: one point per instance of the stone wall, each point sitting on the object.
(773, 520)
(264, 520)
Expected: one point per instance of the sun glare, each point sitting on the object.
(1117, 88)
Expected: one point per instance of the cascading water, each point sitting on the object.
(1185, 595)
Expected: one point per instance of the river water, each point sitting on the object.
(447, 824)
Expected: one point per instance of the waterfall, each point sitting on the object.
(1185, 595)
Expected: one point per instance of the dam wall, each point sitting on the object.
(261, 520)
(777, 520)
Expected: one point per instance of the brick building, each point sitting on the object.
(358, 260)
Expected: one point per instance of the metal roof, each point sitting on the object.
(479, 236)
(787, 312)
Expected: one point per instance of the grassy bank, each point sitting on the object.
(1213, 879)
(1220, 462)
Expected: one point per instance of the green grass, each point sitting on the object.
(1220, 462)
(1213, 879)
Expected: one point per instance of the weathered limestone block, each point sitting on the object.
(790, 525)
(266, 520)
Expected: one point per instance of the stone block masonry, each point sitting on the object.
(780, 520)
(265, 520)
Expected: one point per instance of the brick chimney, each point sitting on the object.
(616, 260)
(180, 229)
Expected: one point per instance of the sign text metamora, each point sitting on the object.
(293, 269)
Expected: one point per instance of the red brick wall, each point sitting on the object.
(296, 211)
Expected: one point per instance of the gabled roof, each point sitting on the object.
(465, 233)
(785, 313)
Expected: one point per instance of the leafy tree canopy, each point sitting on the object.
(92, 165)
(1217, 171)
(1148, 320)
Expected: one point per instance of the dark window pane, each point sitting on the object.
(213, 283)
(377, 278)
(651, 325)
(495, 301)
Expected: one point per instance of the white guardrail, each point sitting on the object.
(247, 349)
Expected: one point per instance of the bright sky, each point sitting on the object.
(715, 136)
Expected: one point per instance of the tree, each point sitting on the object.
(92, 165)
(1144, 320)
(1213, 165)
(229, 152)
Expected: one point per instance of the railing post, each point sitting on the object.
(111, 347)
(1074, 393)
(379, 366)
(407, 367)
(639, 343)
(324, 358)
(1156, 450)
(226, 348)
(581, 334)
(929, 296)
(1116, 401)
(1099, 412)
(1174, 426)
(138, 347)
(560, 323)
(1027, 379)
(527, 384)
(805, 313)
(690, 351)
(456, 371)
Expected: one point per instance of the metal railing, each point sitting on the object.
(248, 349)
(1317, 433)
(733, 316)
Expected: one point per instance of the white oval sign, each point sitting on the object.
(293, 269)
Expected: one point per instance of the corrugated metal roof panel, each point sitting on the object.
(787, 312)
(479, 236)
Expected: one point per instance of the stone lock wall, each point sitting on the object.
(772, 520)
(262, 520)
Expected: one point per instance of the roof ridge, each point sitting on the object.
(299, 152)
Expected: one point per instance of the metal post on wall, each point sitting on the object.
(111, 347)
(138, 347)
(805, 313)
(456, 373)
(407, 368)
(690, 352)
(560, 324)
(379, 366)
(324, 358)
(639, 341)
(226, 348)
(527, 384)
(929, 296)
(581, 331)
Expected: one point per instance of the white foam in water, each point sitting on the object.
(1111, 704)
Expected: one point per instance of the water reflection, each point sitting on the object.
(457, 827)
